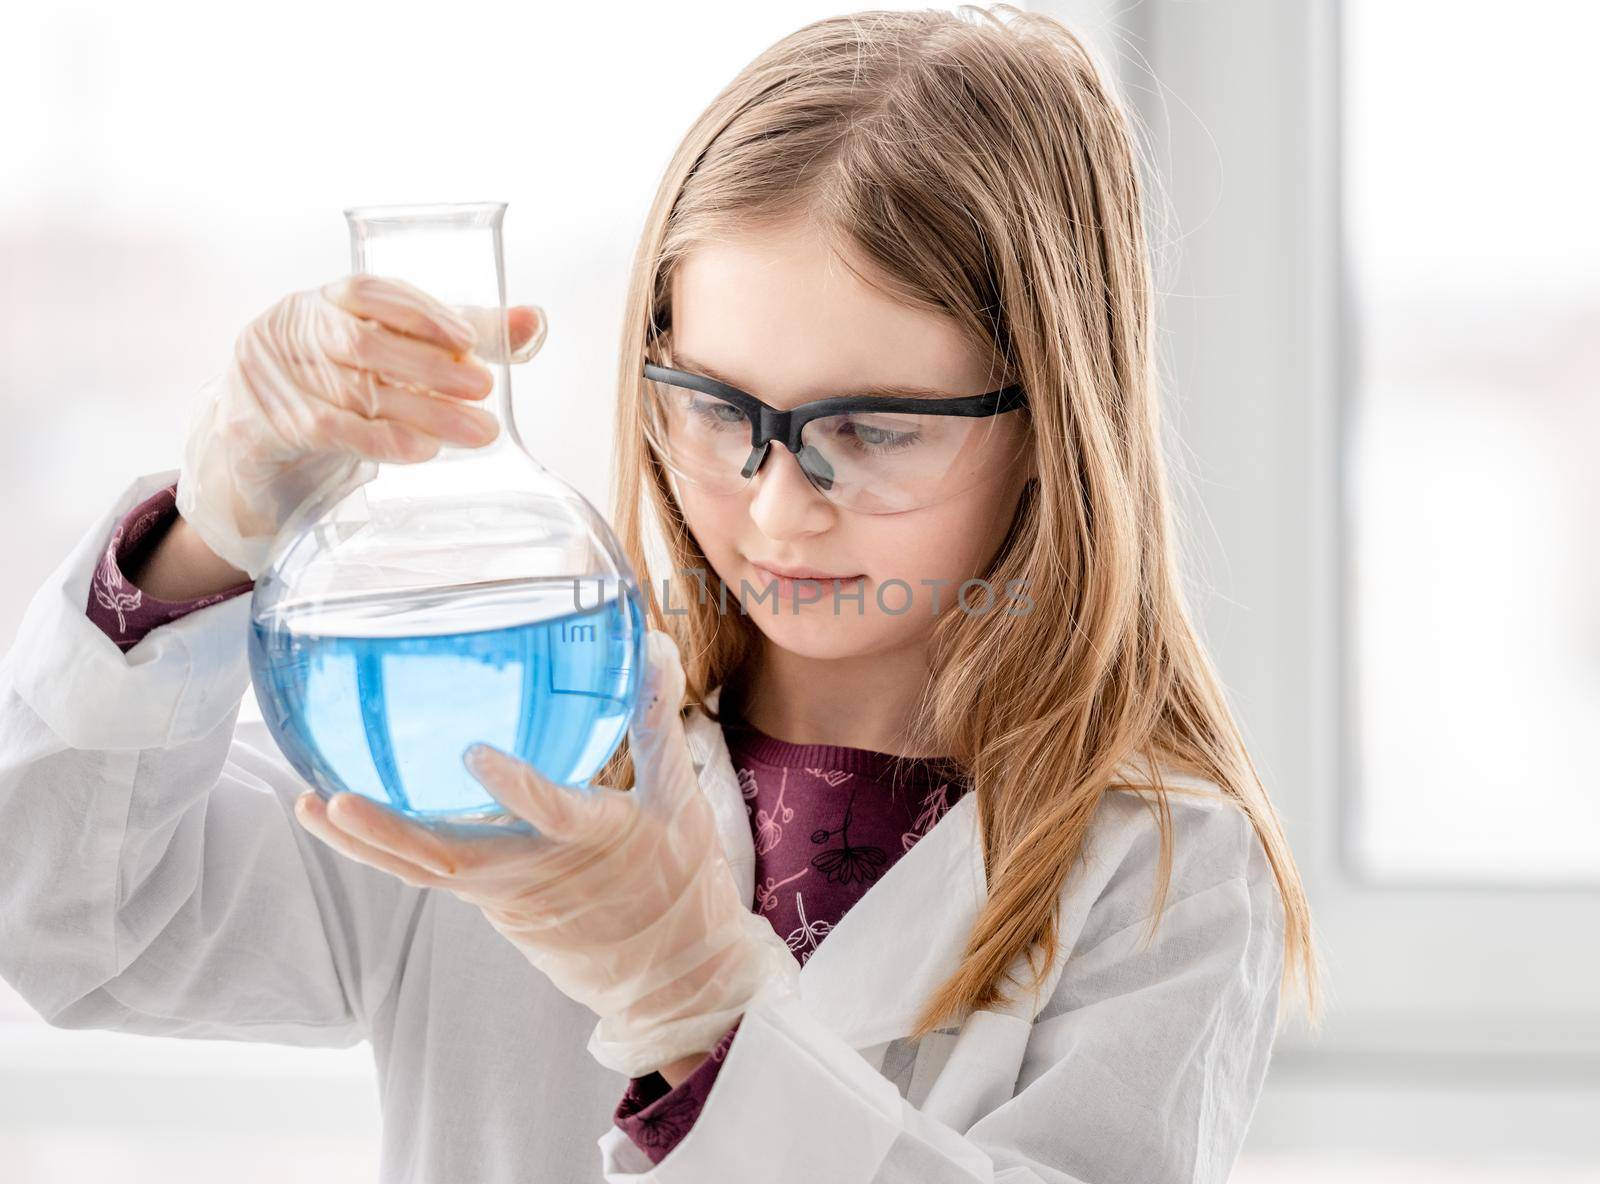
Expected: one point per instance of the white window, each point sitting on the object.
(1472, 394)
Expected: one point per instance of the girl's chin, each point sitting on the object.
(820, 638)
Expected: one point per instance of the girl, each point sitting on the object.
(885, 886)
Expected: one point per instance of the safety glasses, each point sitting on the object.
(869, 454)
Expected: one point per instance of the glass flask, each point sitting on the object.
(470, 597)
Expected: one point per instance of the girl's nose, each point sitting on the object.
(783, 502)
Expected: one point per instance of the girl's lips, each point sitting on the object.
(784, 579)
(800, 573)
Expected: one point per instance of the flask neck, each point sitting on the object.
(506, 336)
(498, 403)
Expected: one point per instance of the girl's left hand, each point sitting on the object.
(624, 899)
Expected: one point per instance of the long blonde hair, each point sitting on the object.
(986, 171)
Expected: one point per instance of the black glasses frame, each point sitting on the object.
(768, 423)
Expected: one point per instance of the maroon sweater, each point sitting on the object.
(827, 820)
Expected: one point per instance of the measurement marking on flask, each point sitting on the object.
(571, 631)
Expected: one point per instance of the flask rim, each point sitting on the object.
(445, 213)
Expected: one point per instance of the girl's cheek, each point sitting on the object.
(714, 523)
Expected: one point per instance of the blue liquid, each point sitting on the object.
(390, 717)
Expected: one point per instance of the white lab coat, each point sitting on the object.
(153, 879)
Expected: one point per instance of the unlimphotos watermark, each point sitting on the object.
(974, 597)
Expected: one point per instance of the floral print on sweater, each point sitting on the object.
(124, 612)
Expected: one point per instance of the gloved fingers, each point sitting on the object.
(376, 826)
(442, 418)
(526, 327)
(485, 866)
(312, 813)
(369, 345)
(594, 817)
(285, 420)
(327, 428)
(404, 308)
(481, 871)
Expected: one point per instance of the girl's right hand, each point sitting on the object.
(321, 386)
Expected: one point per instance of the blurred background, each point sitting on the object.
(1381, 295)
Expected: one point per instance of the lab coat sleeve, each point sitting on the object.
(153, 878)
(1145, 1066)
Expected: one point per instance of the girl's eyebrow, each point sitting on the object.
(694, 365)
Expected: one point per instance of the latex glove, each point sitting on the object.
(625, 900)
(321, 387)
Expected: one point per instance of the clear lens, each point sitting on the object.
(865, 462)
(889, 462)
(702, 439)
